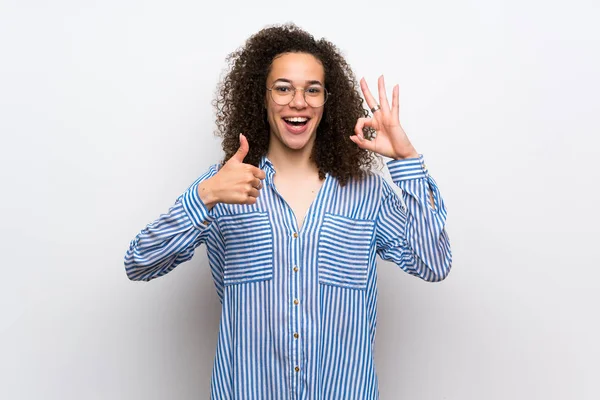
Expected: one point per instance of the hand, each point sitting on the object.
(235, 183)
(391, 140)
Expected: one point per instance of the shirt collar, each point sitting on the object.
(266, 165)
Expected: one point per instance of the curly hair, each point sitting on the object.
(241, 95)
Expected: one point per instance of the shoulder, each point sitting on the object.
(370, 177)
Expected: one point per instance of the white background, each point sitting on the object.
(501, 98)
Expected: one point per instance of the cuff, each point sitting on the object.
(195, 208)
(407, 169)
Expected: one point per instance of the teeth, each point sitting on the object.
(296, 119)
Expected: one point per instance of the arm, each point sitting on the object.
(414, 237)
(172, 238)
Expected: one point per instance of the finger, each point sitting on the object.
(258, 173)
(371, 102)
(395, 102)
(383, 101)
(253, 192)
(256, 183)
(362, 143)
(249, 200)
(242, 150)
(361, 124)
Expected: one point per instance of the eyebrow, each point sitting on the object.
(308, 82)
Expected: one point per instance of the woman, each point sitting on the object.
(293, 221)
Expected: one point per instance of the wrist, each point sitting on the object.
(207, 194)
(410, 154)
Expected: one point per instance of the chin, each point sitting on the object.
(295, 142)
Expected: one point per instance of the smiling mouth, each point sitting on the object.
(296, 121)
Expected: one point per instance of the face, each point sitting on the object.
(294, 125)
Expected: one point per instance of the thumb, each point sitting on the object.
(243, 150)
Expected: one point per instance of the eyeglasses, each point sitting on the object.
(283, 93)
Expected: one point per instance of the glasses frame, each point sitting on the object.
(327, 94)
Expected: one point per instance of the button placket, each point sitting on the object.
(295, 326)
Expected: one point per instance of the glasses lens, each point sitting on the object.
(315, 95)
(283, 93)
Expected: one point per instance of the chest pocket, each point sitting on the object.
(344, 250)
(248, 248)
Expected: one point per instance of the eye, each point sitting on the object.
(282, 89)
(314, 90)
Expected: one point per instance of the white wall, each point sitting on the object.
(501, 97)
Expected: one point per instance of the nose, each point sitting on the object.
(298, 101)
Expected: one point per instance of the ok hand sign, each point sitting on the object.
(390, 139)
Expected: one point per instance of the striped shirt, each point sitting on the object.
(299, 307)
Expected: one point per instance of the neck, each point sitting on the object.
(291, 162)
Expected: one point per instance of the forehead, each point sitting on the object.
(298, 67)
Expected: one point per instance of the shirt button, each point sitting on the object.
(296, 302)
(296, 336)
(295, 268)
(297, 369)
(206, 223)
(295, 235)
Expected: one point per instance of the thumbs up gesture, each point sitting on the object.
(235, 183)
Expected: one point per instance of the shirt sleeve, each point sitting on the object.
(172, 238)
(413, 234)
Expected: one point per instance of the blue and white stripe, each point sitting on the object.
(299, 306)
